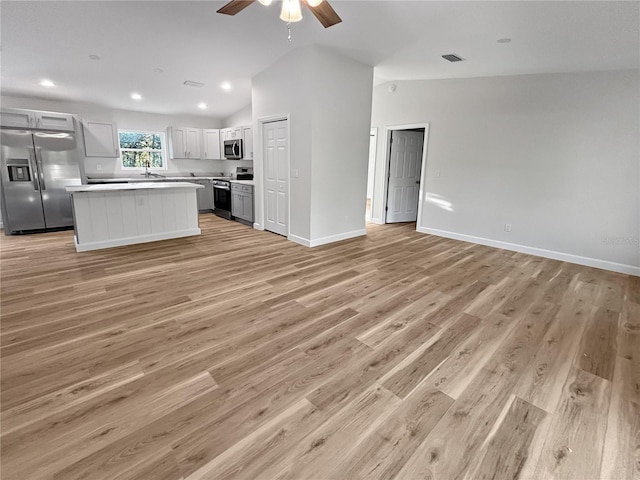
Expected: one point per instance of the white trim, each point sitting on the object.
(119, 242)
(389, 129)
(372, 133)
(540, 252)
(299, 240)
(336, 238)
(330, 239)
(257, 226)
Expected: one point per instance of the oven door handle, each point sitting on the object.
(221, 188)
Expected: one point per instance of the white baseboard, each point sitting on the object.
(324, 240)
(540, 252)
(257, 226)
(299, 240)
(336, 238)
(119, 242)
(377, 220)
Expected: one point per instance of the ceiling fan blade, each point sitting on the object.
(235, 6)
(325, 14)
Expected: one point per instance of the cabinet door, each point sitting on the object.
(15, 117)
(212, 144)
(237, 205)
(55, 121)
(248, 207)
(100, 139)
(247, 138)
(178, 142)
(237, 133)
(193, 143)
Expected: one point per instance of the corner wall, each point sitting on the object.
(328, 100)
(557, 156)
(341, 132)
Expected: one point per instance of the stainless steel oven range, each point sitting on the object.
(222, 198)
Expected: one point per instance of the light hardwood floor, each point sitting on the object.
(240, 355)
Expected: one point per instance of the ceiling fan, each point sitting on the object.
(291, 11)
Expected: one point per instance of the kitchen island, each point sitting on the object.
(127, 213)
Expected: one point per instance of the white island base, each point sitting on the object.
(108, 216)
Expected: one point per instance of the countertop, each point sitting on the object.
(244, 182)
(143, 179)
(131, 186)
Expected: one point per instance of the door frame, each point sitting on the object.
(259, 220)
(382, 195)
(373, 133)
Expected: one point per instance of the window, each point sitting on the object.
(142, 149)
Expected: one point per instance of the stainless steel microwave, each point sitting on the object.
(233, 149)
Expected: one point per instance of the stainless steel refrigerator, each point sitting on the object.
(36, 168)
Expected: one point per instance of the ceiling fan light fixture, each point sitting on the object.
(291, 11)
(314, 3)
(266, 3)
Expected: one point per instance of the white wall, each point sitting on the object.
(126, 119)
(555, 155)
(284, 88)
(328, 100)
(241, 117)
(341, 129)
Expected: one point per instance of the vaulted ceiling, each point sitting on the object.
(153, 47)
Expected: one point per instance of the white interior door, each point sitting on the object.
(404, 176)
(276, 166)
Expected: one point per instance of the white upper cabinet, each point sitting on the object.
(20, 118)
(54, 121)
(194, 143)
(100, 139)
(177, 142)
(185, 142)
(14, 117)
(237, 133)
(247, 139)
(211, 142)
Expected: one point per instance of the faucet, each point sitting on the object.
(147, 164)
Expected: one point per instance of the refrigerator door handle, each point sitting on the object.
(40, 168)
(34, 169)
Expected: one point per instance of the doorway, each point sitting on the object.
(404, 175)
(275, 151)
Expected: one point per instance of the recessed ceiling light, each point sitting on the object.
(504, 40)
(47, 83)
(202, 106)
(136, 96)
(226, 86)
(94, 57)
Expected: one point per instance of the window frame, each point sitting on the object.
(163, 150)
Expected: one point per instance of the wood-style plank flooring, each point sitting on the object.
(240, 355)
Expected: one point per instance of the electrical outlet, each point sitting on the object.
(141, 201)
(99, 166)
(437, 173)
(507, 227)
(294, 173)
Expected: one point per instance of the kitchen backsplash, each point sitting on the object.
(109, 166)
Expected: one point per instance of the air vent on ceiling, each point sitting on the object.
(191, 83)
(452, 57)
